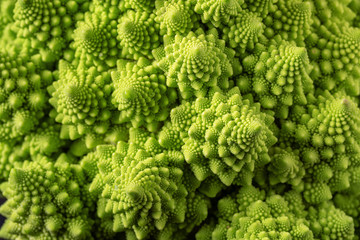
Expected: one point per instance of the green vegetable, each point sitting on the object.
(180, 119)
(45, 200)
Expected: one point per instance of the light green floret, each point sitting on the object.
(144, 139)
(194, 207)
(212, 185)
(176, 17)
(251, 215)
(355, 7)
(173, 134)
(102, 229)
(206, 230)
(217, 11)
(138, 34)
(259, 7)
(141, 192)
(12, 155)
(141, 94)
(196, 211)
(111, 7)
(290, 19)
(295, 203)
(328, 222)
(328, 137)
(46, 140)
(195, 63)
(333, 10)
(269, 220)
(6, 13)
(225, 135)
(281, 77)
(338, 137)
(334, 51)
(80, 147)
(138, 5)
(354, 178)
(81, 100)
(48, 24)
(316, 192)
(246, 196)
(95, 40)
(45, 201)
(285, 166)
(227, 207)
(10, 42)
(243, 31)
(23, 96)
(350, 204)
(231, 135)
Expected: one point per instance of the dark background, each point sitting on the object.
(2, 219)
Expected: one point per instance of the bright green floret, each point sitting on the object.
(138, 34)
(23, 96)
(286, 167)
(244, 31)
(334, 52)
(227, 135)
(258, 216)
(141, 192)
(45, 200)
(326, 220)
(12, 155)
(328, 140)
(280, 77)
(263, 220)
(180, 119)
(217, 11)
(141, 94)
(95, 40)
(176, 17)
(81, 98)
(195, 63)
(289, 19)
(47, 24)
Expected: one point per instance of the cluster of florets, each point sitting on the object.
(180, 119)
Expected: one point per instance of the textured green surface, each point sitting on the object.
(180, 119)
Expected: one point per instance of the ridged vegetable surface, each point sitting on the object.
(180, 119)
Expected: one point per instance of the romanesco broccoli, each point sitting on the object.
(180, 119)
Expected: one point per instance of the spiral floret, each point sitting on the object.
(227, 135)
(81, 100)
(141, 192)
(95, 40)
(335, 56)
(141, 94)
(243, 32)
(176, 17)
(196, 63)
(281, 78)
(47, 25)
(291, 20)
(217, 11)
(329, 221)
(23, 99)
(138, 34)
(53, 192)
